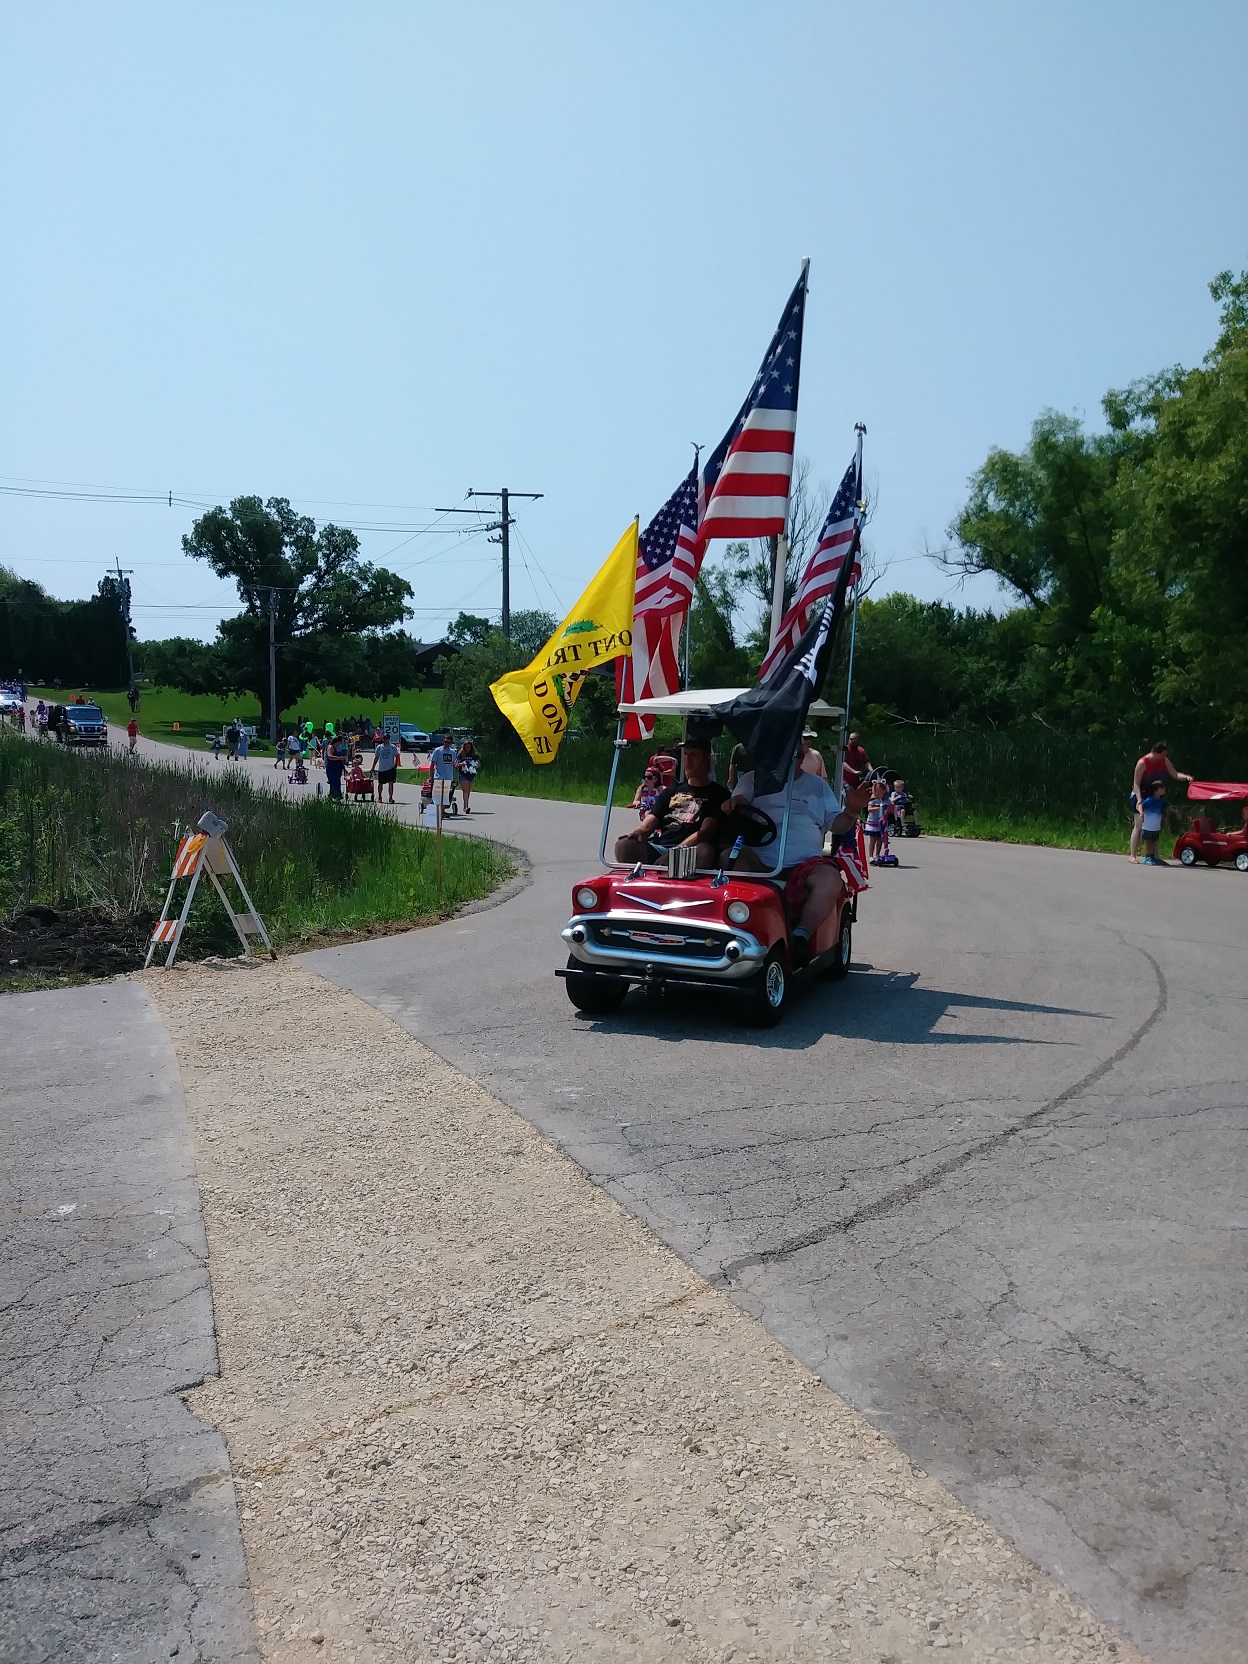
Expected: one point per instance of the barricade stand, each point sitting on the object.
(205, 851)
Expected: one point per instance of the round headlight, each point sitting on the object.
(738, 912)
(585, 897)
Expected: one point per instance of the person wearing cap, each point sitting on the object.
(685, 813)
(812, 760)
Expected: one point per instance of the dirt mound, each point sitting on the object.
(78, 942)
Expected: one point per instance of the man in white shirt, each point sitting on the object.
(385, 765)
(814, 885)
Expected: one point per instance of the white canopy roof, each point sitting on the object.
(699, 702)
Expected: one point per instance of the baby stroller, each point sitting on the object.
(449, 788)
(299, 774)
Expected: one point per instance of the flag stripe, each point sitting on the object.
(746, 465)
(744, 506)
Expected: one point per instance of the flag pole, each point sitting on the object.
(860, 430)
(697, 457)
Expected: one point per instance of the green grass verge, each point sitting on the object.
(201, 714)
(99, 831)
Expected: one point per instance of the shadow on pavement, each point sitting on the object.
(885, 1006)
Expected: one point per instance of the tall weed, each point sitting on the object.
(100, 831)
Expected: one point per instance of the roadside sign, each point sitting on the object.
(390, 728)
(205, 851)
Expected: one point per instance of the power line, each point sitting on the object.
(505, 523)
(169, 499)
(125, 491)
(554, 592)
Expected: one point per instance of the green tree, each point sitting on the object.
(1044, 521)
(335, 616)
(1181, 549)
(81, 643)
(718, 658)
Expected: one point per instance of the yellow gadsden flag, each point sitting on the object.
(537, 699)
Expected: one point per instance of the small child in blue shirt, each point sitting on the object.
(1154, 806)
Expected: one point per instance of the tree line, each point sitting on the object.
(83, 643)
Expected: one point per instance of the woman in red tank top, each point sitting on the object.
(1153, 765)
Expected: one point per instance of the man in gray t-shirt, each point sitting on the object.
(385, 766)
(815, 884)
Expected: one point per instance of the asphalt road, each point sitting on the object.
(992, 1187)
(119, 1534)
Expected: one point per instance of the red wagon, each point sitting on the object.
(1204, 840)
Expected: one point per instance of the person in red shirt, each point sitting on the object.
(857, 764)
(1153, 766)
(132, 728)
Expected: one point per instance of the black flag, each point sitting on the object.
(768, 719)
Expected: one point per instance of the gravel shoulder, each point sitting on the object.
(476, 1410)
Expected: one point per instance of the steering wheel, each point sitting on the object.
(755, 826)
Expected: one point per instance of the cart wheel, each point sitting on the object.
(595, 994)
(1187, 856)
(766, 994)
(1241, 861)
(838, 968)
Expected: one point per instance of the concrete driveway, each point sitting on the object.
(991, 1188)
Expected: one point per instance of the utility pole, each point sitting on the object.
(123, 601)
(272, 664)
(503, 527)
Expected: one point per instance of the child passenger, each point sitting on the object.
(899, 802)
(647, 793)
(1154, 806)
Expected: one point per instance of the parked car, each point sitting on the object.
(412, 738)
(78, 725)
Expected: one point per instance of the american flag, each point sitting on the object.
(819, 579)
(667, 567)
(745, 482)
(743, 491)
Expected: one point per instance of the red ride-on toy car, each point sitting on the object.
(662, 928)
(1204, 841)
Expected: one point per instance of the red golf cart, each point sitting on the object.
(656, 928)
(1203, 841)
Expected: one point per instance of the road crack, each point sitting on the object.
(901, 1197)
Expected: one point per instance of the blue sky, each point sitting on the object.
(368, 256)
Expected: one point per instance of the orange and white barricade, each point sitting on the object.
(199, 853)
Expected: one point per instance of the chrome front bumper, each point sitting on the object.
(743, 954)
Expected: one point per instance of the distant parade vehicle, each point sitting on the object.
(661, 928)
(1204, 841)
(78, 724)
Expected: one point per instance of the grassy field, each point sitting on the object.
(201, 714)
(1030, 786)
(99, 832)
